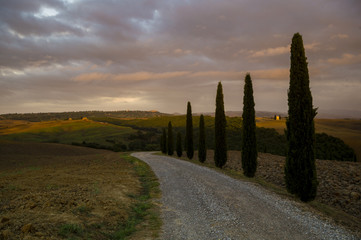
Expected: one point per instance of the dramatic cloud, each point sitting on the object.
(59, 55)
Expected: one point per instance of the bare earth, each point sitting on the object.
(200, 203)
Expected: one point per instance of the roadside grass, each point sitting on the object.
(322, 210)
(144, 213)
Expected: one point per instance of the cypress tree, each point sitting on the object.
(179, 144)
(202, 150)
(170, 139)
(189, 132)
(220, 147)
(161, 143)
(249, 147)
(300, 170)
(164, 141)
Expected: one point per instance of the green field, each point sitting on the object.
(124, 134)
(75, 132)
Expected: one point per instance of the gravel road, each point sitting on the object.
(200, 203)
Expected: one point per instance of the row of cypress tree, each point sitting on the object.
(249, 161)
(167, 142)
(249, 152)
(300, 171)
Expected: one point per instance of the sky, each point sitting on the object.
(75, 55)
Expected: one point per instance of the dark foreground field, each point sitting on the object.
(339, 190)
(53, 191)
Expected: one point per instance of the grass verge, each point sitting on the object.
(144, 215)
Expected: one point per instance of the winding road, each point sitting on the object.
(200, 203)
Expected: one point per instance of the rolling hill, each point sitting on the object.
(143, 133)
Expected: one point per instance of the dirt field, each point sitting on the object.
(52, 191)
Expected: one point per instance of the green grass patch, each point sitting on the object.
(143, 212)
(70, 230)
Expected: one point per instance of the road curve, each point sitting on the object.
(200, 203)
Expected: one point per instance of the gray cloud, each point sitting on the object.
(159, 54)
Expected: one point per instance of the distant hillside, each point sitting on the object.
(268, 139)
(37, 117)
(321, 113)
(239, 114)
(338, 114)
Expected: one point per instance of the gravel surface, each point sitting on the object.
(200, 203)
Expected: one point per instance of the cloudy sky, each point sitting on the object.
(72, 55)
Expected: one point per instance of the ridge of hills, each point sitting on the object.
(50, 116)
(131, 114)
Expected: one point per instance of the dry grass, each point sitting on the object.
(65, 191)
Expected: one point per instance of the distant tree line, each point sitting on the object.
(38, 117)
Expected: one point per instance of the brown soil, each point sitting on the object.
(46, 189)
(339, 182)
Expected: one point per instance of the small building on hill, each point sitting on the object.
(277, 117)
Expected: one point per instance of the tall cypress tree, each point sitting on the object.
(220, 147)
(202, 150)
(170, 139)
(189, 132)
(161, 143)
(179, 145)
(300, 170)
(164, 141)
(249, 147)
